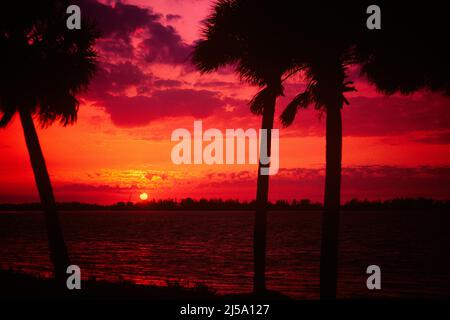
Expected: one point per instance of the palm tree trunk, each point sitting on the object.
(262, 195)
(330, 219)
(57, 247)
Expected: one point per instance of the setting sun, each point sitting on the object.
(143, 196)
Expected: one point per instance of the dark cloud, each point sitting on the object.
(118, 22)
(159, 43)
(391, 181)
(118, 19)
(438, 137)
(140, 110)
(372, 182)
(396, 114)
(173, 17)
(91, 193)
(115, 48)
(382, 116)
(167, 83)
(218, 84)
(116, 78)
(165, 46)
(133, 38)
(84, 187)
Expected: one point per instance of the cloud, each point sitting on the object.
(392, 181)
(120, 22)
(83, 187)
(156, 177)
(372, 182)
(396, 114)
(92, 193)
(218, 84)
(136, 42)
(165, 46)
(167, 83)
(141, 110)
(435, 137)
(116, 78)
(118, 19)
(173, 17)
(133, 39)
(363, 182)
(381, 116)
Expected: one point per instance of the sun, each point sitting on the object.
(143, 196)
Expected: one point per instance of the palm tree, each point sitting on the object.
(403, 57)
(325, 89)
(259, 35)
(234, 35)
(408, 56)
(44, 66)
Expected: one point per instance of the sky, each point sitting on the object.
(146, 88)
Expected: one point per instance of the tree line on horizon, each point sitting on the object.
(45, 66)
(395, 204)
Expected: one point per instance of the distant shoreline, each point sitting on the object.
(235, 205)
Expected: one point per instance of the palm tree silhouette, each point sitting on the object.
(258, 37)
(326, 52)
(325, 89)
(234, 35)
(406, 56)
(44, 66)
(403, 56)
(322, 39)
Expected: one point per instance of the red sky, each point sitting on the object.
(146, 88)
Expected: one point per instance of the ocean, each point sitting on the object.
(412, 249)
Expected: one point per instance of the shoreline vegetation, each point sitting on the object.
(13, 284)
(397, 204)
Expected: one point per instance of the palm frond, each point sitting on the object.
(302, 100)
(260, 100)
(5, 119)
(263, 97)
(46, 73)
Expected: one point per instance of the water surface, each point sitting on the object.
(215, 248)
